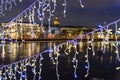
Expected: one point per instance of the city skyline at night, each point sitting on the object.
(94, 13)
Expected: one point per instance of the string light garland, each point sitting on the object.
(20, 67)
(39, 8)
(75, 61)
(87, 59)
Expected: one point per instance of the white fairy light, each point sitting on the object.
(54, 1)
(65, 7)
(38, 10)
(43, 6)
(87, 60)
(103, 41)
(1, 8)
(107, 34)
(50, 14)
(41, 11)
(75, 58)
(20, 20)
(32, 20)
(40, 66)
(81, 3)
(92, 43)
(20, 0)
(56, 61)
(68, 44)
(116, 42)
(51, 54)
(68, 48)
(10, 72)
(65, 51)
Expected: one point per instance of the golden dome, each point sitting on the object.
(56, 21)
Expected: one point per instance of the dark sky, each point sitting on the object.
(95, 12)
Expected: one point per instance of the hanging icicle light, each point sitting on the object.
(81, 3)
(116, 42)
(75, 60)
(65, 7)
(6, 5)
(56, 53)
(43, 6)
(92, 43)
(87, 59)
(20, 0)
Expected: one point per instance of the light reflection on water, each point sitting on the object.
(11, 52)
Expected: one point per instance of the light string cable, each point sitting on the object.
(75, 61)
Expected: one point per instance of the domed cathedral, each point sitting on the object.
(56, 21)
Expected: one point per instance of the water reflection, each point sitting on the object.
(11, 52)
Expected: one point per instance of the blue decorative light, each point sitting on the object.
(75, 76)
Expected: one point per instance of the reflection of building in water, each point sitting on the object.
(22, 30)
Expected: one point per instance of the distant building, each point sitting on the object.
(58, 31)
(22, 30)
(34, 31)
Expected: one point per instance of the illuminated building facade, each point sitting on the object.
(23, 31)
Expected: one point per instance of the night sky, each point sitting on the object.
(95, 12)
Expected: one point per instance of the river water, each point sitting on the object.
(102, 65)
